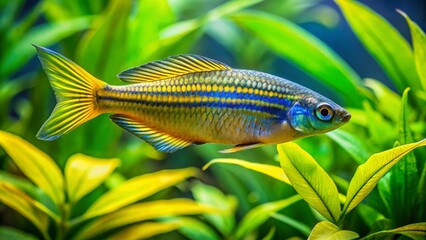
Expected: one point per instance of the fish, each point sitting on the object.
(188, 99)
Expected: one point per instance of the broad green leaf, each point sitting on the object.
(43, 35)
(269, 170)
(212, 196)
(195, 229)
(351, 144)
(419, 45)
(368, 174)
(416, 231)
(14, 234)
(144, 211)
(258, 215)
(386, 100)
(36, 165)
(310, 180)
(23, 204)
(84, 173)
(305, 51)
(404, 178)
(329, 231)
(383, 42)
(145, 230)
(136, 189)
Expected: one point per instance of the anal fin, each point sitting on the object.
(161, 141)
(242, 147)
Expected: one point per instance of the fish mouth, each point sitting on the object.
(346, 117)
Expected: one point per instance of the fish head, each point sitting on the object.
(314, 115)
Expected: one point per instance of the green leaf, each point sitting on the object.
(195, 229)
(305, 51)
(329, 231)
(14, 234)
(386, 100)
(419, 45)
(403, 178)
(258, 215)
(136, 189)
(84, 173)
(416, 231)
(101, 49)
(368, 174)
(43, 35)
(144, 211)
(300, 226)
(23, 204)
(269, 170)
(310, 180)
(351, 144)
(145, 230)
(36, 165)
(212, 196)
(383, 42)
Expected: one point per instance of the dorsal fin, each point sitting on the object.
(161, 141)
(171, 67)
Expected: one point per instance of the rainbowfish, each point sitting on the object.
(188, 99)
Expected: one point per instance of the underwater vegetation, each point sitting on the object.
(365, 180)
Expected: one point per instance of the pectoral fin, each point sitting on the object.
(242, 147)
(161, 141)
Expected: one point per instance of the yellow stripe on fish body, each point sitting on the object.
(176, 102)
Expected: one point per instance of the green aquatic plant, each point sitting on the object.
(50, 200)
(317, 188)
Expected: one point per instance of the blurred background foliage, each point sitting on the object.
(361, 57)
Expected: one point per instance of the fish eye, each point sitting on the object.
(324, 112)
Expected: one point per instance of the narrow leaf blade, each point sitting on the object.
(84, 173)
(316, 58)
(269, 170)
(23, 204)
(419, 45)
(368, 174)
(35, 164)
(416, 231)
(144, 211)
(258, 215)
(383, 42)
(136, 189)
(145, 230)
(310, 180)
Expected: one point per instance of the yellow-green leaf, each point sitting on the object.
(383, 42)
(84, 173)
(144, 211)
(136, 189)
(193, 228)
(329, 231)
(35, 164)
(368, 174)
(269, 170)
(419, 45)
(258, 215)
(145, 230)
(310, 180)
(23, 204)
(416, 231)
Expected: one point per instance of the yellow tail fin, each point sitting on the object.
(75, 91)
